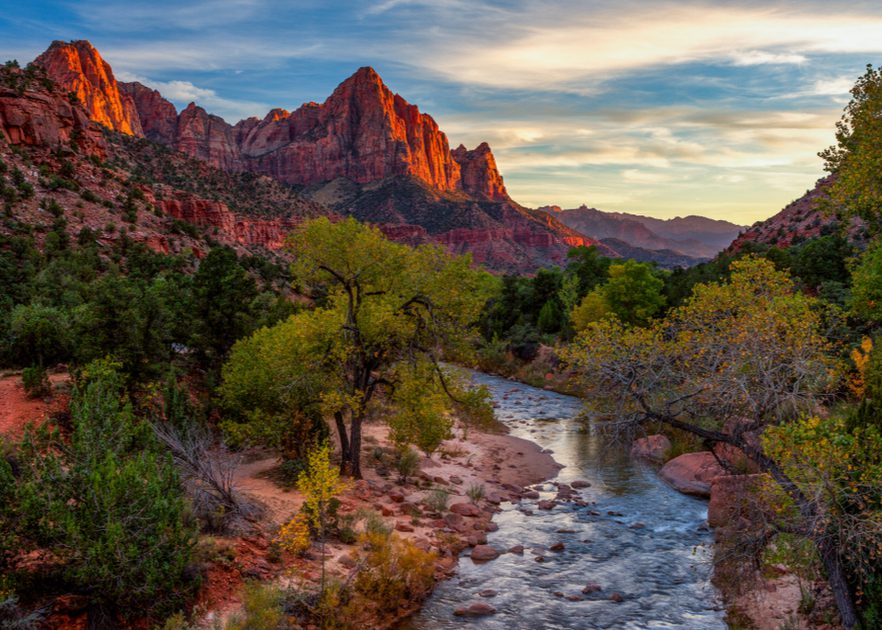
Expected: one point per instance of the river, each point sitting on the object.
(639, 538)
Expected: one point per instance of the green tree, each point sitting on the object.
(222, 295)
(386, 309)
(866, 290)
(633, 292)
(633, 295)
(586, 264)
(108, 503)
(856, 158)
(734, 360)
(38, 335)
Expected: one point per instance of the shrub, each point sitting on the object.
(394, 569)
(109, 504)
(262, 609)
(373, 523)
(35, 381)
(408, 463)
(475, 492)
(437, 499)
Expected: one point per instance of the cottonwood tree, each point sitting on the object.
(383, 311)
(734, 360)
(855, 158)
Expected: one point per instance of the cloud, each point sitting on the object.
(762, 57)
(182, 93)
(537, 48)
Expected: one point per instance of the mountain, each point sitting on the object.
(664, 258)
(80, 70)
(799, 220)
(364, 151)
(124, 189)
(692, 236)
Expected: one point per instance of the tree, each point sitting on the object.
(38, 335)
(586, 264)
(222, 293)
(731, 362)
(866, 291)
(633, 295)
(320, 483)
(108, 503)
(384, 311)
(856, 158)
(633, 292)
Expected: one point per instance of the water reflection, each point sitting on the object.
(640, 538)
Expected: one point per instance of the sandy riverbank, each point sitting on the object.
(502, 464)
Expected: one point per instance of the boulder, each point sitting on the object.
(652, 447)
(466, 509)
(734, 501)
(484, 553)
(692, 473)
(476, 609)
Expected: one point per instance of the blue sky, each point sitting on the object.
(662, 108)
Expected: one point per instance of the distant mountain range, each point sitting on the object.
(364, 151)
(693, 238)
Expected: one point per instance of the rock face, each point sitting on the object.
(38, 118)
(480, 177)
(269, 233)
(78, 68)
(158, 117)
(364, 151)
(692, 473)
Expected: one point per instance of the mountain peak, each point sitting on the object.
(77, 67)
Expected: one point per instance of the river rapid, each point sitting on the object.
(638, 538)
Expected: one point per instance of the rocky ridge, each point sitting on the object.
(364, 151)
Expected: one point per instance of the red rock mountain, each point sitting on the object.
(78, 68)
(362, 132)
(365, 151)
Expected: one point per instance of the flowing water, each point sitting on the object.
(639, 538)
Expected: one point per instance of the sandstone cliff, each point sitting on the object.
(364, 151)
(76, 67)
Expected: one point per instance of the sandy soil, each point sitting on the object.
(17, 410)
(503, 464)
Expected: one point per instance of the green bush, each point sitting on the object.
(408, 463)
(109, 504)
(35, 381)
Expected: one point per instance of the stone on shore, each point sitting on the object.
(692, 473)
(466, 509)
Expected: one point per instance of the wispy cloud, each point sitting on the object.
(182, 93)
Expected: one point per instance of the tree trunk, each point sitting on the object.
(838, 583)
(344, 439)
(355, 447)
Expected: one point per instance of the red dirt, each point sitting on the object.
(17, 410)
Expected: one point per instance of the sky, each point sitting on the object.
(661, 108)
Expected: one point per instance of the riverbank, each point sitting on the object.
(491, 467)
